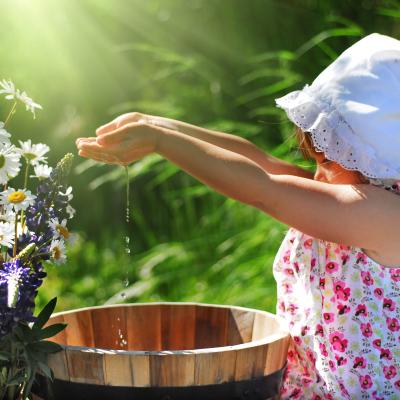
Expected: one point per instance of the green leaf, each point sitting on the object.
(45, 314)
(322, 36)
(388, 12)
(18, 333)
(4, 356)
(28, 386)
(35, 356)
(17, 379)
(273, 55)
(46, 370)
(27, 334)
(51, 331)
(290, 80)
(46, 346)
(262, 73)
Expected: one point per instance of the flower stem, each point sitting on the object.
(44, 244)
(10, 114)
(42, 254)
(15, 235)
(26, 174)
(11, 389)
(25, 187)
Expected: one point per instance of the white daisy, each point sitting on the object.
(33, 152)
(9, 163)
(12, 93)
(4, 135)
(7, 216)
(16, 200)
(42, 171)
(29, 103)
(70, 211)
(59, 229)
(6, 234)
(68, 193)
(8, 88)
(57, 250)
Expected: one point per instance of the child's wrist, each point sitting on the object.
(161, 137)
(162, 122)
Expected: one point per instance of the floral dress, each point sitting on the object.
(343, 312)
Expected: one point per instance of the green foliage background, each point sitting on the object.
(214, 63)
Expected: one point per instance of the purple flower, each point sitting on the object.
(18, 289)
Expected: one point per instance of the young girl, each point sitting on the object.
(338, 267)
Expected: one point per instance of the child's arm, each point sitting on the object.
(242, 146)
(227, 141)
(357, 215)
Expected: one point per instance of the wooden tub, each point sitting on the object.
(167, 351)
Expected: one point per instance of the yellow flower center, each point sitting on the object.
(30, 156)
(56, 253)
(63, 231)
(16, 197)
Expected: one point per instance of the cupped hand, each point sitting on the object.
(121, 121)
(129, 118)
(124, 140)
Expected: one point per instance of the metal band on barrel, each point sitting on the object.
(255, 389)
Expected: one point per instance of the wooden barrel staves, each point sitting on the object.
(167, 351)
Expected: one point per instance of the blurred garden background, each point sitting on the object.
(215, 63)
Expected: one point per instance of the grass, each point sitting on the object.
(188, 243)
(228, 265)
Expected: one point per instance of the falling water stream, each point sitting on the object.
(127, 238)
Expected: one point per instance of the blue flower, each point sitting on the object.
(52, 202)
(18, 288)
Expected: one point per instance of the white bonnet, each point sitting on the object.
(352, 109)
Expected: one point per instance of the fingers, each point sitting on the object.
(106, 128)
(120, 122)
(91, 146)
(80, 141)
(132, 132)
(98, 157)
(88, 155)
(115, 145)
(109, 139)
(115, 137)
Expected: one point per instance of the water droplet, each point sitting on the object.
(127, 249)
(127, 239)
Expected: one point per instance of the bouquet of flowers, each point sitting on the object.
(32, 231)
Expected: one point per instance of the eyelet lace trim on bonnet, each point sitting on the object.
(328, 130)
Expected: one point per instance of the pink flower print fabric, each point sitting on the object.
(343, 312)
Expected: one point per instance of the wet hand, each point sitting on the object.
(126, 139)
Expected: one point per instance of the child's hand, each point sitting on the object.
(121, 121)
(129, 118)
(126, 139)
